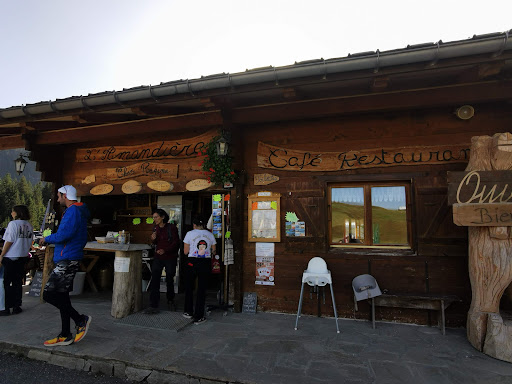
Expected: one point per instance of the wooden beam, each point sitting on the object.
(107, 131)
(104, 118)
(49, 125)
(398, 100)
(11, 142)
(207, 102)
(159, 110)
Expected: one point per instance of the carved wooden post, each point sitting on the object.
(490, 258)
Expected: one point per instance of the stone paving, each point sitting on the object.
(260, 348)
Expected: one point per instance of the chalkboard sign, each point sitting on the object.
(250, 302)
(37, 284)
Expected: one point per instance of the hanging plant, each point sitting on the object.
(217, 169)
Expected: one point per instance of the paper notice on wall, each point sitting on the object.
(265, 249)
(264, 270)
(121, 264)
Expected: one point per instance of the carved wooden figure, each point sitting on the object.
(490, 259)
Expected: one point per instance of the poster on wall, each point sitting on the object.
(264, 270)
(264, 264)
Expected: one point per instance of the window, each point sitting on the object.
(369, 215)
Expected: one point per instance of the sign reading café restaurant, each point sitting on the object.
(481, 198)
(273, 157)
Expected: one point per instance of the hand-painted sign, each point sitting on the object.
(197, 185)
(478, 187)
(102, 189)
(131, 186)
(154, 170)
(483, 215)
(160, 186)
(293, 160)
(89, 179)
(186, 148)
(265, 178)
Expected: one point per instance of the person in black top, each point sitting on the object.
(166, 239)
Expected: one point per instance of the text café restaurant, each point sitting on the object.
(344, 159)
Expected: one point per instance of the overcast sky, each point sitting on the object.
(52, 49)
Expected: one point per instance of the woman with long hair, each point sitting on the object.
(18, 240)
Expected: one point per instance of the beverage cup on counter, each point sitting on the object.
(124, 237)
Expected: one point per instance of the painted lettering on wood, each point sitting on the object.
(160, 185)
(483, 215)
(478, 187)
(186, 148)
(197, 185)
(131, 186)
(102, 189)
(265, 179)
(292, 160)
(154, 170)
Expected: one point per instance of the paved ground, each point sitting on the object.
(260, 348)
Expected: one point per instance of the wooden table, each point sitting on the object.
(127, 290)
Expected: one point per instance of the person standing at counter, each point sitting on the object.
(166, 239)
(18, 240)
(69, 241)
(199, 245)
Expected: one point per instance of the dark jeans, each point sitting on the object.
(156, 273)
(201, 269)
(13, 281)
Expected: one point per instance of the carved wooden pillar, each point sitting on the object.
(490, 258)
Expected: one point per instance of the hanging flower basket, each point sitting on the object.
(217, 169)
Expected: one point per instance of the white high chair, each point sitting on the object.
(317, 275)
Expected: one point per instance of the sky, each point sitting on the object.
(55, 49)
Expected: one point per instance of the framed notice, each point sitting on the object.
(264, 224)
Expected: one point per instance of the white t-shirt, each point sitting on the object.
(201, 242)
(19, 233)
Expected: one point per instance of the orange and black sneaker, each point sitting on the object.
(59, 340)
(81, 330)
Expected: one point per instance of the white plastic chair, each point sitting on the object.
(365, 287)
(317, 275)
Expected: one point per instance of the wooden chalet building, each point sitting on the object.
(357, 149)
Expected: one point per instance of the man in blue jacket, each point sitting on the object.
(69, 241)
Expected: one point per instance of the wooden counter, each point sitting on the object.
(127, 290)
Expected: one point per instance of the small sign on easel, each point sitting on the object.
(250, 302)
(36, 285)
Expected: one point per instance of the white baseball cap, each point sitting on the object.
(69, 190)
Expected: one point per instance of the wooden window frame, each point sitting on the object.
(368, 227)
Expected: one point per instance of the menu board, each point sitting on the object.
(250, 302)
(36, 285)
(264, 225)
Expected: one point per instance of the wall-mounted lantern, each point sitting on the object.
(20, 163)
(222, 146)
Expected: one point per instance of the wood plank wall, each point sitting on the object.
(439, 264)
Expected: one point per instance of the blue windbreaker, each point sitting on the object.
(71, 236)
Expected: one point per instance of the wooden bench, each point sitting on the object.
(424, 301)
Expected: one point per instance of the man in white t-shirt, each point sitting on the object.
(199, 245)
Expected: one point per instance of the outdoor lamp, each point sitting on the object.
(20, 163)
(222, 146)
